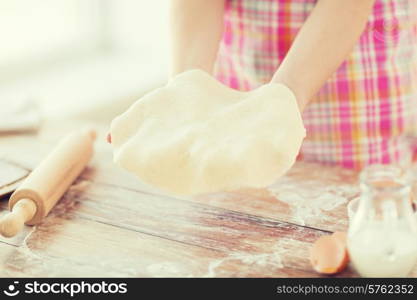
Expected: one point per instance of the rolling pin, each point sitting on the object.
(42, 189)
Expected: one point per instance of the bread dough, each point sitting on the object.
(196, 135)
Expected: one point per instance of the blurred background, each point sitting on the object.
(81, 59)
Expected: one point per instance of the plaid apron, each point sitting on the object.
(366, 112)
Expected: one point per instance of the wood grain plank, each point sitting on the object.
(235, 233)
(309, 194)
(177, 219)
(76, 247)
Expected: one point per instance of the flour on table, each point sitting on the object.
(195, 135)
(308, 198)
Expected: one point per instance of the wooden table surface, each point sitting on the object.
(109, 224)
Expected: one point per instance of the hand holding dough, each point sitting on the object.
(196, 135)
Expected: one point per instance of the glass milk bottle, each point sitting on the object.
(382, 237)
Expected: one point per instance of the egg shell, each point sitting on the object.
(328, 254)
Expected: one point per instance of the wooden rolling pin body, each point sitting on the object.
(49, 181)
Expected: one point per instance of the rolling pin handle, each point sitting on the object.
(13, 222)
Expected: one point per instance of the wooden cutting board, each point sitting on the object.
(11, 175)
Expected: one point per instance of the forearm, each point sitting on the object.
(327, 37)
(196, 30)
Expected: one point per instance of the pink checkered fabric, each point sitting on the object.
(367, 110)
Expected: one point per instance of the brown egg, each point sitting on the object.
(328, 255)
(341, 236)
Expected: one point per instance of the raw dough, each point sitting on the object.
(196, 135)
